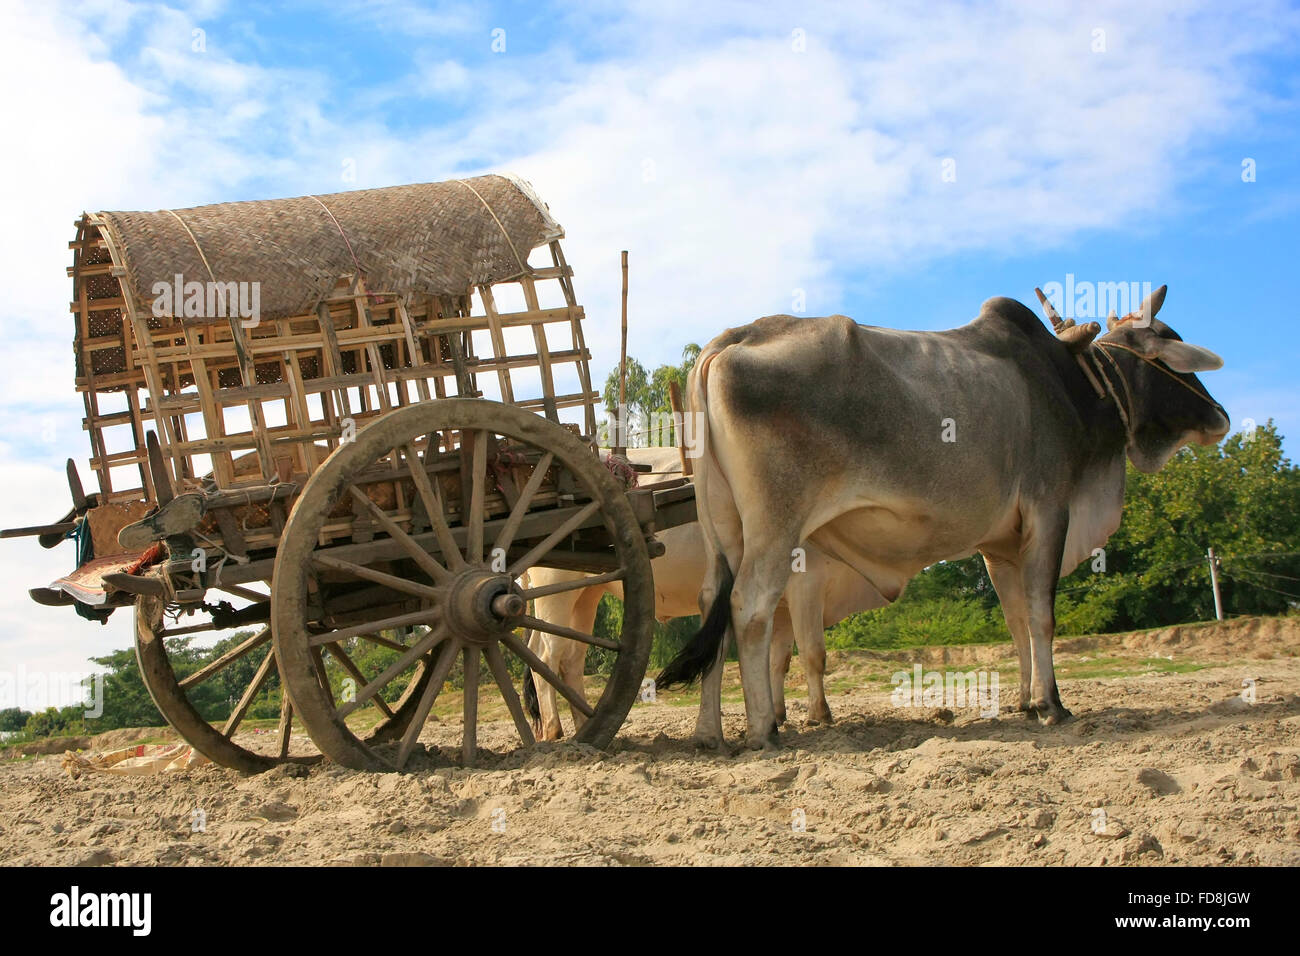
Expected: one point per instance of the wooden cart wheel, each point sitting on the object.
(173, 697)
(460, 577)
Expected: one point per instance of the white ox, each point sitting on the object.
(821, 595)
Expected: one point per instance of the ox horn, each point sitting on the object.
(1052, 315)
(1146, 311)
(1152, 303)
(1076, 338)
(1112, 321)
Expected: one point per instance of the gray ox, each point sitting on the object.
(891, 450)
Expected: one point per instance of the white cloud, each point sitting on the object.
(443, 77)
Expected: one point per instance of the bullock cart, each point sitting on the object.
(346, 422)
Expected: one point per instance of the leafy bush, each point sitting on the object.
(941, 620)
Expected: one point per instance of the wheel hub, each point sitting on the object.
(482, 606)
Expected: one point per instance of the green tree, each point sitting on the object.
(126, 701)
(648, 394)
(13, 719)
(56, 722)
(1239, 497)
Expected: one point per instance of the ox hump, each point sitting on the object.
(1005, 311)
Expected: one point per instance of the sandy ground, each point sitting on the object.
(1167, 762)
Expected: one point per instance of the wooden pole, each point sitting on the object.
(679, 422)
(1214, 583)
(620, 448)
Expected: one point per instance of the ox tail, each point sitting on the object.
(531, 703)
(700, 654)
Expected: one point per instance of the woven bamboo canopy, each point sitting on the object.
(430, 238)
(367, 301)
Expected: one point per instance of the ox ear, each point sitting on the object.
(1185, 357)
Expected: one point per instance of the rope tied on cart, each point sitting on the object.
(522, 268)
(621, 468)
(361, 273)
(500, 465)
(194, 239)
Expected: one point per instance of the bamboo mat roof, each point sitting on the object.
(429, 238)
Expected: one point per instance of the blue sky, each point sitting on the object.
(740, 153)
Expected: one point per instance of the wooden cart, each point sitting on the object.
(345, 419)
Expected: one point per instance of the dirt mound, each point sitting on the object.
(1250, 638)
(1254, 638)
(46, 745)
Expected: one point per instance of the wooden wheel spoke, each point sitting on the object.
(436, 680)
(424, 616)
(286, 722)
(250, 692)
(477, 505)
(432, 505)
(559, 630)
(350, 666)
(506, 536)
(392, 670)
(421, 557)
(226, 659)
(548, 544)
(540, 667)
(577, 584)
(385, 642)
(501, 674)
(191, 629)
(378, 577)
(248, 594)
(322, 675)
(469, 738)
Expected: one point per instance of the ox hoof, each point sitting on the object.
(821, 715)
(710, 742)
(1049, 715)
(780, 717)
(768, 741)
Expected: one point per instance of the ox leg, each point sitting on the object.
(708, 725)
(759, 585)
(1040, 571)
(547, 726)
(1006, 578)
(572, 660)
(812, 655)
(806, 595)
(567, 608)
(573, 654)
(779, 661)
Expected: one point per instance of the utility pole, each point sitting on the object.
(620, 443)
(1214, 583)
